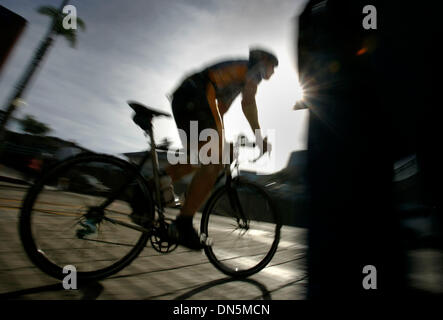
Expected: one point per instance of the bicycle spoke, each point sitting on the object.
(65, 223)
(245, 239)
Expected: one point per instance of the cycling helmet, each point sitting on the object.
(256, 55)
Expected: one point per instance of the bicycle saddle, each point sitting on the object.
(146, 111)
(143, 115)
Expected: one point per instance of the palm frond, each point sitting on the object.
(71, 37)
(69, 34)
(81, 24)
(48, 11)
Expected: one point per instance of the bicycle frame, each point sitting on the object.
(227, 171)
(155, 168)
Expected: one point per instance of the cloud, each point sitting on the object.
(140, 51)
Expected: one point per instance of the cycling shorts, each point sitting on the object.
(195, 100)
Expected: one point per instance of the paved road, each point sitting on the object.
(181, 274)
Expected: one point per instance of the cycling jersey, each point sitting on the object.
(195, 99)
(229, 78)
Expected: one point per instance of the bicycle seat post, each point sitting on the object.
(143, 118)
(148, 130)
(155, 164)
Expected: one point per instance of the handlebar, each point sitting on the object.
(242, 141)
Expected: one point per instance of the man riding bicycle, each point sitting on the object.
(205, 97)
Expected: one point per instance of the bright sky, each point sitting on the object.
(141, 50)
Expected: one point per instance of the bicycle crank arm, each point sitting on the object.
(131, 226)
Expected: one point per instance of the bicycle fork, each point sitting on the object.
(236, 206)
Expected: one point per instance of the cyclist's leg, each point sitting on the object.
(206, 175)
(179, 170)
(200, 188)
(184, 103)
(194, 104)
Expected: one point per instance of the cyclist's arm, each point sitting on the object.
(249, 106)
(223, 106)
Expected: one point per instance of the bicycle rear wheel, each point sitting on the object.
(53, 216)
(244, 228)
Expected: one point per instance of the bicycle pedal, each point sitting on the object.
(87, 229)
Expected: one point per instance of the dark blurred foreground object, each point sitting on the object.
(371, 96)
(11, 27)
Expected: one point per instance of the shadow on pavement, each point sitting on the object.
(266, 295)
(90, 291)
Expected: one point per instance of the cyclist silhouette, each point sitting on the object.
(205, 97)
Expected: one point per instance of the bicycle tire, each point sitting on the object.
(223, 255)
(31, 213)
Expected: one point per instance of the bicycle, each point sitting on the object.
(128, 211)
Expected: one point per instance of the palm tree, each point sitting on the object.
(57, 17)
(55, 29)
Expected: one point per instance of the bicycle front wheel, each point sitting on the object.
(62, 223)
(242, 223)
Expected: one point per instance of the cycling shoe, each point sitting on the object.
(184, 234)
